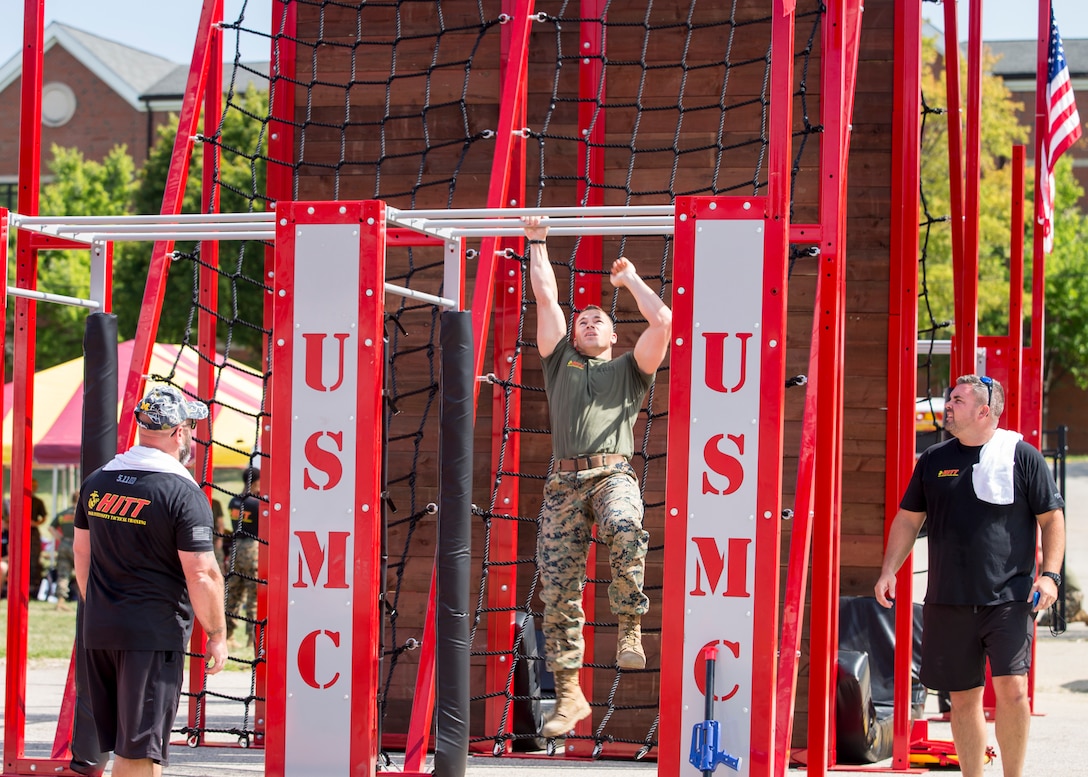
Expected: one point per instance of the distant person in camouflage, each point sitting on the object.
(64, 532)
(593, 402)
(245, 512)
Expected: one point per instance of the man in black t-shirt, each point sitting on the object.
(144, 565)
(982, 495)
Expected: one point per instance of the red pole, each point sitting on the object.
(1013, 400)
(902, 334)
(209, 301)
(780, 122)
(967, 322)
(22, 431)
(510, 102)
(955, 166)
(172, 199)
(505, 440)
(825, 585)
(1031, 412)
(280, 180)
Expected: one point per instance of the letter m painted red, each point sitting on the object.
(712, 562)
(312, 555)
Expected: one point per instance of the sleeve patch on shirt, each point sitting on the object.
(202, 534)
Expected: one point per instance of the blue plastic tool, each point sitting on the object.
(705, 752)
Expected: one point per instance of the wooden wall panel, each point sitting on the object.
(381, 153)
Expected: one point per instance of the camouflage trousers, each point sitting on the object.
(573, 502)
(65, 566)
(242, 584)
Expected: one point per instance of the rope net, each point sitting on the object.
(398, 101)
(228, 707)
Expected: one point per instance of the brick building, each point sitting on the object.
(96, 94)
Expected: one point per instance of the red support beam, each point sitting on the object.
(955, 165)
(511, 103)
(172, 199)
(280, 183)
(967, 283)
(206, 326)
(506, 364)
(24, 330)
(903, 334)
(793, 607)
(1014, 386)
(1031, 411)
(840, 50)
(780, 123)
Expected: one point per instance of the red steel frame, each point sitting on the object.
(206, 326)
(27, 247)
(587, 290)
(366, 561)
(838, 84)
(23, 398)
(1020, 369)
(761, 757)
(902, 335)
(172, 198)
(204, 82)
(1031, 412)
(502, 590)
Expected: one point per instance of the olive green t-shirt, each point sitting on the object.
(592, 403)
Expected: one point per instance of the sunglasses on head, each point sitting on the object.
(988, 382)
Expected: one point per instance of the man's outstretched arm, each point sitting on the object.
(551, 324)
(653, 343)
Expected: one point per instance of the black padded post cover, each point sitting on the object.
(99, 446)
(454, 547)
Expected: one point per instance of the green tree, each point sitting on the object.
(1000, 130)
(1066, 322)
(242, 178)
(79, 186)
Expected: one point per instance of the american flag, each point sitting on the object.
(1062, 126)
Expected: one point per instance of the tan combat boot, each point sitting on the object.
(629, 652)
(570, 705)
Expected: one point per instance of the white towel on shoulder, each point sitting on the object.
(140, 457)
(993, 475)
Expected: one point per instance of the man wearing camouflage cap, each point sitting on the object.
(145, 565)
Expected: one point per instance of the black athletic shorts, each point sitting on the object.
(957, 640)
(134, 696)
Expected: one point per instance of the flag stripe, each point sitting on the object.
(1062, 128)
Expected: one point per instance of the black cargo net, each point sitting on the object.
(228, 707)
(933, 370)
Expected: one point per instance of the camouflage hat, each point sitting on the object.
(164, 408)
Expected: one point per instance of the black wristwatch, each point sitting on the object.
(1053, 576)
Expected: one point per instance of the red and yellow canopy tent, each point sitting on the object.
(58, 405)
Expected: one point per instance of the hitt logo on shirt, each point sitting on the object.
(117, 507)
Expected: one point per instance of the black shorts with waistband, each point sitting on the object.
(134, 696)
(957, 640)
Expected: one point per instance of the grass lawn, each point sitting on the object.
(52, 634)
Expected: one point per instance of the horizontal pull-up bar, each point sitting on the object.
(394, 214)
(633, 231)
(552, 223)
(444, 224)
(44, 296)
(19, 220)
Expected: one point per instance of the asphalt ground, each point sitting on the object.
(1058, 745)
